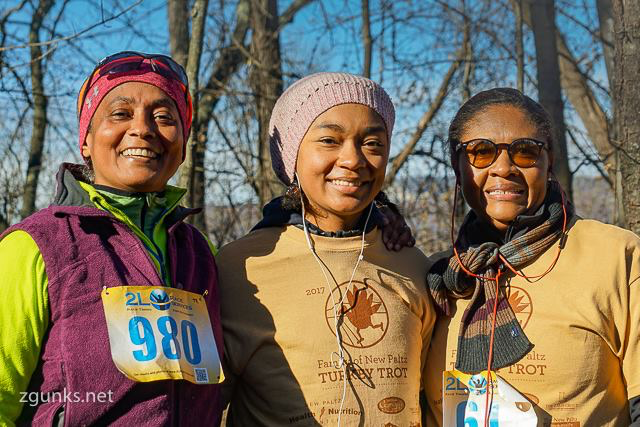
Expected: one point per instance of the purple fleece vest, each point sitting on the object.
(85, 249)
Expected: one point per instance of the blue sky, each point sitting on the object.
(323, 37)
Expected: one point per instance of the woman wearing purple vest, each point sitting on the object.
(111, 312)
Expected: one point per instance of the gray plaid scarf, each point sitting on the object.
(481, 257)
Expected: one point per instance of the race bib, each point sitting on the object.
(160, 333)
(464, 402)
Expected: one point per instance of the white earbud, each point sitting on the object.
(340, 353)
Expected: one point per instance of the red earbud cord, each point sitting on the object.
(497, 280)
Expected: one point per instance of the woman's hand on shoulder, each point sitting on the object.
(396, 234)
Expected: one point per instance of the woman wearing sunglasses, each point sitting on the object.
(110, 309)
(546, 300)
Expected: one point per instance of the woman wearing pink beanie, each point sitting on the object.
(322, 324)
(113, 315)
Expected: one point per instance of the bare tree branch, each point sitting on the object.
(542, 14)
(194, 149)
(517, 11)
(427, 117)
(3, 22)
(594, 162)
(366, 39)
(75, 35)
(247, 171)
(574, 82)
(287, 16)
(469, 64)
(178, 17)
(39, 110)
(265, 79)
(626, 15)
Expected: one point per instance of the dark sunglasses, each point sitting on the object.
(482, 153)
(126, 61)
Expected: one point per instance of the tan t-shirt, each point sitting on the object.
(279, 334)
(583, 319)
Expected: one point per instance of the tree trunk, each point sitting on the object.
(195, 196)
(231, 58)
(178, 15)
(367, 43)
(605, 17)
(425, 120)
(517, 11)
(549, 89)
(460, 207)
(593, 117)
(595, 121)
(469, 65)
(626, 15)
(576, 87)
(265, 78)
(39, 110)
(229, 61)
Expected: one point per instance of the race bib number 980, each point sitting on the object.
(159, 333)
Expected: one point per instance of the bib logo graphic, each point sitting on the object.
(478, 384)
(160, 300)
(363, 318)
(521, 304)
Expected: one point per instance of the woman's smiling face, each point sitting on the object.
(502, 191)
(341, 164)
(136, 140)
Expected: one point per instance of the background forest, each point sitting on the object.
(579, 58)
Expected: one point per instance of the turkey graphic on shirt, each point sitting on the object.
(362, 314)
(521, 304)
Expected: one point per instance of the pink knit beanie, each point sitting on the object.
(102, 85)
(311, 96)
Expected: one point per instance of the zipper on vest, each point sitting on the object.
(152, 249)
(155, 251)
(146, 252)
(157, 254)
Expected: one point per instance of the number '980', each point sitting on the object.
(141, 333)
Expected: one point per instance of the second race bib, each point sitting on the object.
(464, 401)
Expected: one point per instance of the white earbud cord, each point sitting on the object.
(340, 353)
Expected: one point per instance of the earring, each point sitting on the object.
(293, 191)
